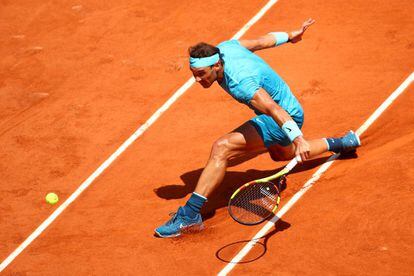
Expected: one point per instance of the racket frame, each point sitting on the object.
(279, 174)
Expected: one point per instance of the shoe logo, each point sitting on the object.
(182, 226)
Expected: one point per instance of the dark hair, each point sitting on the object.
(202, 49)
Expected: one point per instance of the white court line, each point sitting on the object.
(312, 180)
(121, 149)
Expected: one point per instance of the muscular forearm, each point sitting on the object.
(268, 41)
(261, 43)
(262, 102)
(279, 115)
(272, 40)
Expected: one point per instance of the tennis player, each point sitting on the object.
(276, 128)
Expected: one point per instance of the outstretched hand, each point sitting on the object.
(296, 36)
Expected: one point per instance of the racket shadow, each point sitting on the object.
(232, 180)
(227, 252)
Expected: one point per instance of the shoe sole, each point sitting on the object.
(167, 236)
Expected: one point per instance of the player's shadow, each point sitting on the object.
(226, 252)
(232, 180)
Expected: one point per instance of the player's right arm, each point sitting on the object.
(265, 104)
(269, 40)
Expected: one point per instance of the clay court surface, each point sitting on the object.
(78, 78)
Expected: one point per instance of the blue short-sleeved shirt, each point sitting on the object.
(244, 74)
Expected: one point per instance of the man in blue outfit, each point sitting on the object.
(276, 128)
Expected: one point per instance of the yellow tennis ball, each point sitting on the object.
(52, 198)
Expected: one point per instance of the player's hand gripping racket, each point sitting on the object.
(256, 201)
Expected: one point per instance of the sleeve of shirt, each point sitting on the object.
(245, 89)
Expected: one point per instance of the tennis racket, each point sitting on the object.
(256, 201)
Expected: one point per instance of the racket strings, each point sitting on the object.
(255, 203)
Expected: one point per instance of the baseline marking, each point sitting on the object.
(121, 149)
(313, 179)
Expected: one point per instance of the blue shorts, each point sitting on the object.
(271, 132)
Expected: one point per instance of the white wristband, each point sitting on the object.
(281, 37)
(291, 129)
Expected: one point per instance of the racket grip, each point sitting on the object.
(291, 164)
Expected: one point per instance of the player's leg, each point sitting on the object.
(278, 152)
(242, 140)
(343, 144)
(280, 147)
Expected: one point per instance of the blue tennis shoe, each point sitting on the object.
(350, 142)
(180, 224)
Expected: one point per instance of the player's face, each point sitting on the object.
(204, 75)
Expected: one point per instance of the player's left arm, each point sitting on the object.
(274, 39)
(264, 103)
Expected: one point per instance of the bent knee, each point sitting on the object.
(221, 149)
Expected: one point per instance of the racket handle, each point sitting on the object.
(291, 164)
